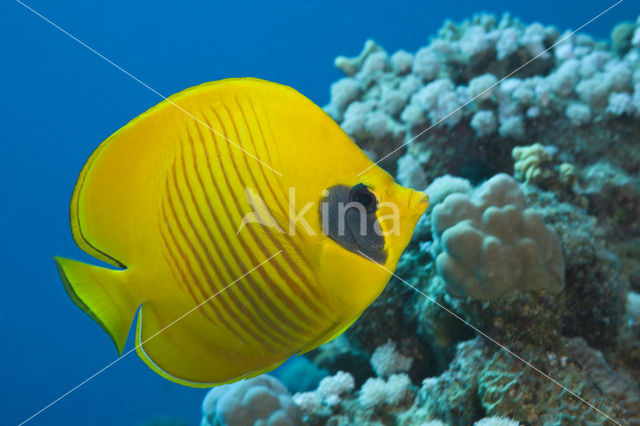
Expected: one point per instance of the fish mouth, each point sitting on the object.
(418, 202)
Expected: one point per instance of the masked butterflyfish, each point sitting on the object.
(241, 225)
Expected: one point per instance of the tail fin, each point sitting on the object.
(102, 294)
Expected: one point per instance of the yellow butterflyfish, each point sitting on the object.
(243, 226)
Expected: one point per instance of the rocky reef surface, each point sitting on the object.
(518, 299)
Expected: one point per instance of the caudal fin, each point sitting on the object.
(102, 294)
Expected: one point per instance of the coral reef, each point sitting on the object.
(518, 298)
(485, 381)
(594, 286)
(615, 385)
(261, 401)
(463, 88)
(614, 198)
(456, 116)
(377, 402)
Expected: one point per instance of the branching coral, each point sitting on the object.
(387, 361)
(376, 391)
(529, 162)
(456, 82)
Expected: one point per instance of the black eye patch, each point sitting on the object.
(348, 216)
(360, 194)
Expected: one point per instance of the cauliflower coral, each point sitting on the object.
(489, 244)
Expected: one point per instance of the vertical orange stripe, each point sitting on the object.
(196, 299)
(274, 288)
(220, 300)
(311, 283)
(235, 300)
(291, 241)
(258, 288)
(292, 284)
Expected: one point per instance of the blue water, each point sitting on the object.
(60, 101)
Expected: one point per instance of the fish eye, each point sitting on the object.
(362, 195)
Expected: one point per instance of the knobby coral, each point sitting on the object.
(489, 244)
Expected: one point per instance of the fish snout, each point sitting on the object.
(418, 203)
